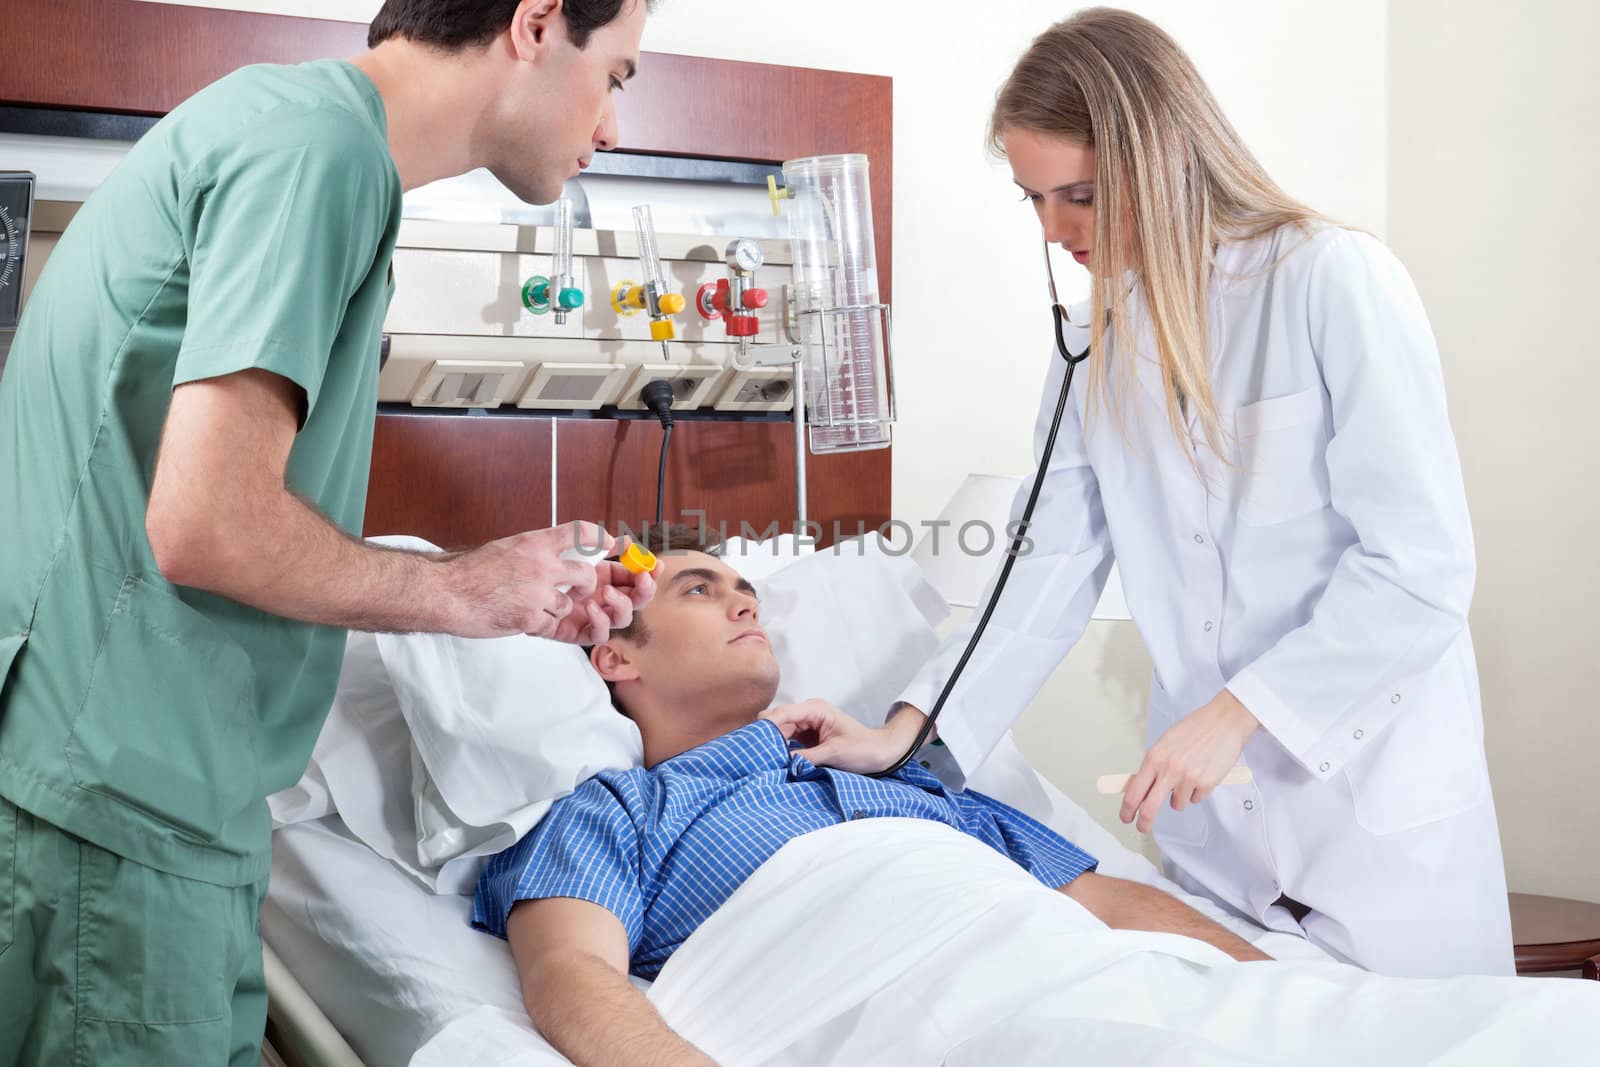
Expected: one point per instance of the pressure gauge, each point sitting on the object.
(16, 207)
(745, 255)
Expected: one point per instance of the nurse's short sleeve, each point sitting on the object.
(281, 227)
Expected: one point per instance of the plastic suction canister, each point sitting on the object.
(842, 325)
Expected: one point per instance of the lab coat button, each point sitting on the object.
(1249, 805)
(1199, 540)
(1323, 768)
(1395, 699)
(1208, 627)
(1357, 734)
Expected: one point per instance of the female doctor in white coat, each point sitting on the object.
(1261, 440)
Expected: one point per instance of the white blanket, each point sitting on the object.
(899, 942)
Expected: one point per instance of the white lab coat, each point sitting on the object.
(1324, 579)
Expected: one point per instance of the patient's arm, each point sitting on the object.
(1125, 905)
(572, 958)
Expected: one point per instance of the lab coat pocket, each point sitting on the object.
(1428, 764)
(1190, 827)
(177, 745)
(1283, 469)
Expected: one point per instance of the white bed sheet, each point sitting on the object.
(903, 942)
(380, 955)
(391, 964)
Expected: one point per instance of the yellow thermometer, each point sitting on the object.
(638, 560)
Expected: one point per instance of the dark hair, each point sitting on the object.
(452, 25)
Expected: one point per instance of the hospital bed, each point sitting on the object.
(394, 965)
(398, 972)
(370, 966)
(380, 964)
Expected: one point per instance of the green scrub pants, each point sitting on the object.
(105, 962)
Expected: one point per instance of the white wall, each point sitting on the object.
(1302, 79)
(1494, 156)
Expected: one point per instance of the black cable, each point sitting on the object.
(1005, 569)
(661, 471)
(657, 396)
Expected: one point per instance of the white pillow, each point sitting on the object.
(502, 728)
(851, 624)
(438, 750)
(361, 766)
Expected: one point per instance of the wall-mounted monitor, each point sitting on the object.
(16, 208)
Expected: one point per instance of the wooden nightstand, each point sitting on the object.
(1555, 934)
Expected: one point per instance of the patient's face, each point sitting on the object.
(698, 649)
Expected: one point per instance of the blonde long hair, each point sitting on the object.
(1172, 179)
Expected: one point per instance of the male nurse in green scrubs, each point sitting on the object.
(185, 429)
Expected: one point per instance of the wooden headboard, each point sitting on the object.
(458, 479)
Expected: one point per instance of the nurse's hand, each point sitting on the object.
(839, 741)
(618, 593)
(522, 584)
(1188, 761)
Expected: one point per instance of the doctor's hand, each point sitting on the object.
(618, 593)
(837, 740)
(1188, 761)
(520, 584)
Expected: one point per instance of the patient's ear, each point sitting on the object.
(614, 662)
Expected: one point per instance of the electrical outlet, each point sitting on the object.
(691, 384)
(758, 389)
(573, 386)
(460, 383)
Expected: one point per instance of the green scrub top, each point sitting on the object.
(250, 228)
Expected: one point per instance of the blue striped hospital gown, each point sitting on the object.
(663, 848)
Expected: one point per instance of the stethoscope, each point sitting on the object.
(1060, 315)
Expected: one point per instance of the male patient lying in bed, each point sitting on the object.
(620, 873)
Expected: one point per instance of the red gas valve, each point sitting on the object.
(712, 301)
